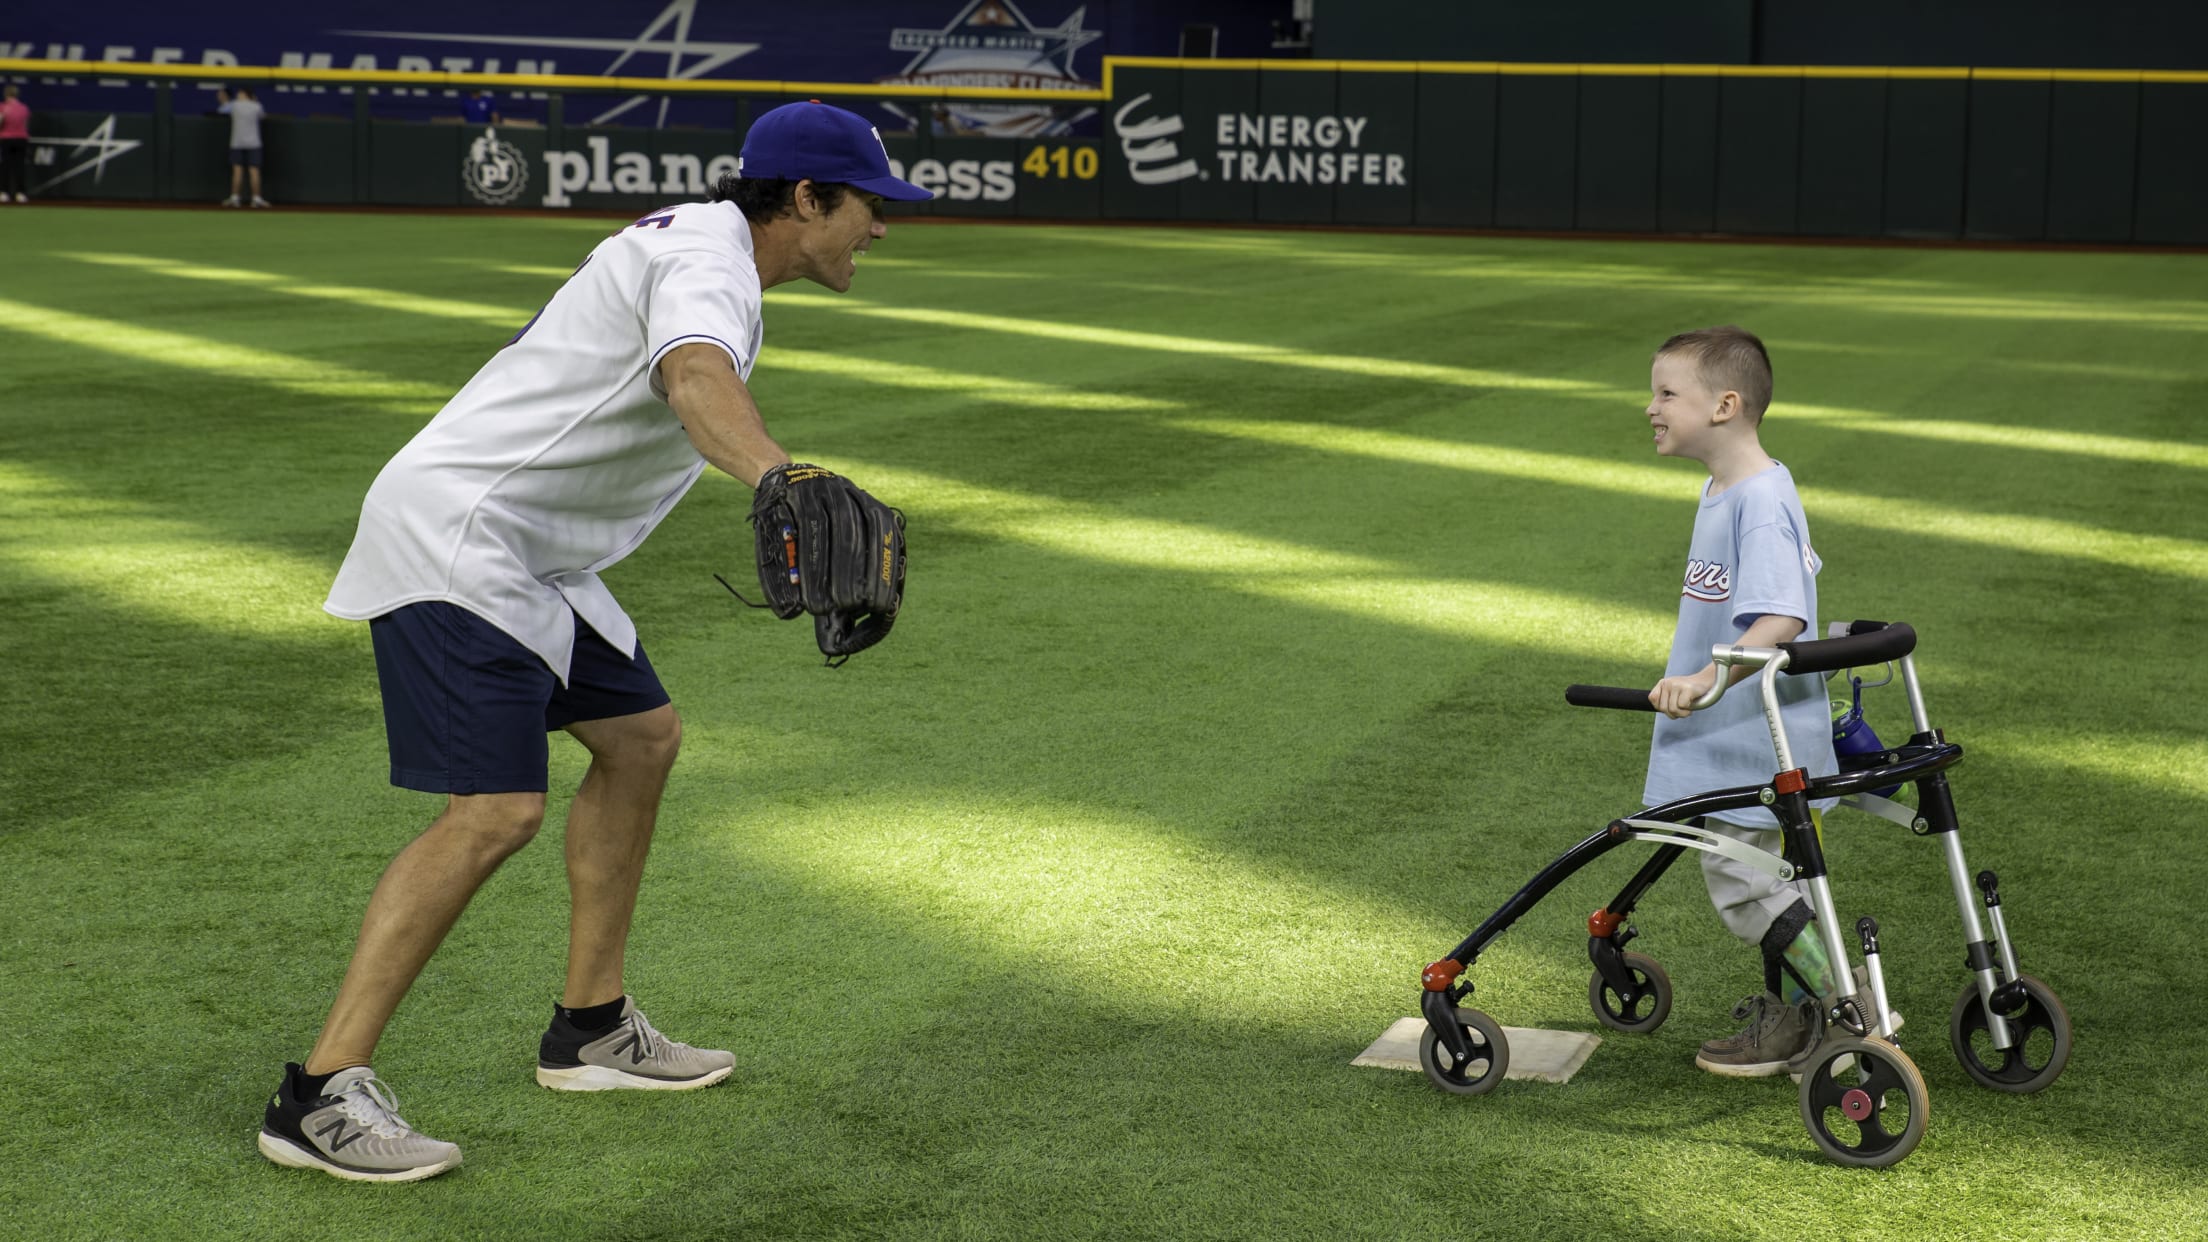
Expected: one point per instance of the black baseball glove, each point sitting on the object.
(827, 548)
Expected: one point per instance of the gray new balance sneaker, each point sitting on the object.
(351, 1130)
(633, 1055)
(1776, 1034)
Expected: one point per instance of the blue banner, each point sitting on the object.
(1036, 45)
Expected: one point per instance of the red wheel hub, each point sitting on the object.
(1856, 1104)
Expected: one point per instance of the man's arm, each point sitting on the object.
(718, 413)
(1672, 695)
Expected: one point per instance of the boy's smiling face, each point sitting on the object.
(1682, 411)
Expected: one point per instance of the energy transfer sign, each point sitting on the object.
(1258, 148)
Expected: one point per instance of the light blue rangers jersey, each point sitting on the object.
(1750, 557)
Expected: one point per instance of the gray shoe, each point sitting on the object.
(1776, 1034)
(351, 1130)
(632, 1056)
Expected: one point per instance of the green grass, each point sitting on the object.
(1247, 569)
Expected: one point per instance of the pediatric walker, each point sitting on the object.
(1862, 1098)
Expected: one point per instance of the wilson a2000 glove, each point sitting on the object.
(827, 548)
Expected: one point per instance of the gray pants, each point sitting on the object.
(1747, 899)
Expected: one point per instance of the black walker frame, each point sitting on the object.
(1862, 1098)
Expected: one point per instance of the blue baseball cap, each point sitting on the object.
(821, 142)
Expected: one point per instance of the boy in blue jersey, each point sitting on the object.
(1751, 579)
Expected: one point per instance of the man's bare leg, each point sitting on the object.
(416, 902)
(609, 833)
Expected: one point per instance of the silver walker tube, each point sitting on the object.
(1916, 695)
(1966, 900)
(1836, 947)
(2001, 938)
(1773, 661)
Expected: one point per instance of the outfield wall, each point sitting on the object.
(2076, 156)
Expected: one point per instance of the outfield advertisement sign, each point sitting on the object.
(629, 168)
(1036, 45)
(1315, 143)
(1265, 148)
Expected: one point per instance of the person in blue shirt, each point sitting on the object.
(1751, 579)
(477, 109)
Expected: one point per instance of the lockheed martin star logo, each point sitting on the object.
(108, 147)
(992, 43)
(993, 36)
(678, 13)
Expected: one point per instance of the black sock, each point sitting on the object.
(308, 1086)
(594, 1017)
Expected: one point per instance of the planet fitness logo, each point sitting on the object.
(494, 172)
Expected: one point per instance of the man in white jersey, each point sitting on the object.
(245, 114)
(476, 564)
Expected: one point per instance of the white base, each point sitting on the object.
(1539, 1055)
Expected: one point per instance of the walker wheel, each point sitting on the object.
(1651, 1002)
(1864, 1102)
(2039, 1031)
(1477, 1074)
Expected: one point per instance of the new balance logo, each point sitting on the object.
(338, 1135)
(632, 1042)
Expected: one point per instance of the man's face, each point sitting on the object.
(832, 241)
(1681, 406)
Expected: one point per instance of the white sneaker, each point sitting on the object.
(231, 201)
(351, 1130)
(258, 201)
(22, 198)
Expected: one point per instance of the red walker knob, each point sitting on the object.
(1440, 976)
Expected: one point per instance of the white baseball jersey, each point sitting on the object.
(561, 455)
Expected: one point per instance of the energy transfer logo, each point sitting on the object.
(495, 172)
(105, 146)
(1149, 146)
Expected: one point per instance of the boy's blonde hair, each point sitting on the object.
(1729, 358)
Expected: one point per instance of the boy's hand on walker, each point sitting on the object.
(1675, 696)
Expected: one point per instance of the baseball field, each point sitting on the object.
(1247, 571)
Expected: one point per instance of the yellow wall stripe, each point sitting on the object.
(694, 86)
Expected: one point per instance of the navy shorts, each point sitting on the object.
(467, 707)
(246, 157)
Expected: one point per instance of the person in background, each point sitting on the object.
(15, 146)
(245, 114)
(478, 109)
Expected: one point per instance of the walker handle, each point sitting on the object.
(1623, 698)
(1857, 650)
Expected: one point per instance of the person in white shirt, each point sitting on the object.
(476, 563)
(245, 114)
